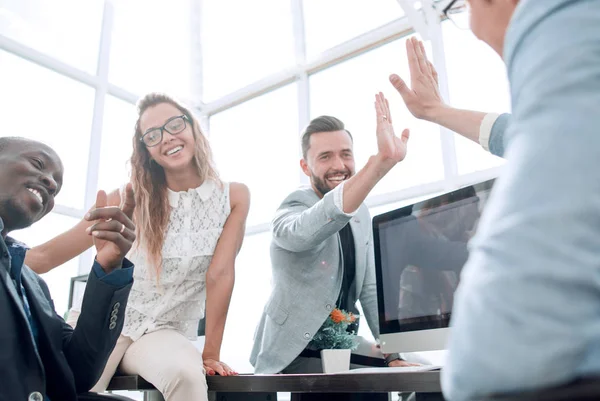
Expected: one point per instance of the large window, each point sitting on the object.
(251, 292)
(244, 41)
(117, 143)
(480, 85)
(257, 143)
(347, 91)
(49, 26)
(43, 105)
(329, 23)
(152, 47)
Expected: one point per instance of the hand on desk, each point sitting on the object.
(213, 367)
(399, 362)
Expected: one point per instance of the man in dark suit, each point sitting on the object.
(41, 357)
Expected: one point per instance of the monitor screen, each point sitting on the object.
(419, 253)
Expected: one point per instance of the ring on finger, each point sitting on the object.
(384, 117)
(122, 228)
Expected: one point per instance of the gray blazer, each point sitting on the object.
(306, 261)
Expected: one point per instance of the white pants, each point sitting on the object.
(164, 358)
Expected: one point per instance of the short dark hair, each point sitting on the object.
(7, 141)
(321, 124)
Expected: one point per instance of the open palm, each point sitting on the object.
(389, 146)
(423, 97)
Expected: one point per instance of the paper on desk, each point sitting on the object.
(395, 369)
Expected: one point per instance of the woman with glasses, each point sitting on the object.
(189, 227)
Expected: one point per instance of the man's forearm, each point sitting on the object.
(358, 187)
(464, 122)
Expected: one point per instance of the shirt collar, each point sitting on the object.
(204, 191)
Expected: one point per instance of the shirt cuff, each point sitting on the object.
(118, 277)
(485, 129)
(338, 199)
(392, 357)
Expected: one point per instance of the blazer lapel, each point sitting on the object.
(41, 309)
(12, 291)
(18, 303)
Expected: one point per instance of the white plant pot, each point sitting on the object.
(335, 360)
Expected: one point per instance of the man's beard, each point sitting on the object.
(320, 184)
(14, 217)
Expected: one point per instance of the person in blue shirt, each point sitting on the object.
(526, 312)
(41, 357)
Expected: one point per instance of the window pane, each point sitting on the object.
(116, 149)
(151, 47)
(42, 105)
(347, 91)
(252, 289)
(481, 86)
(242, 42)
(257, 143)
(59, 278)
(50, 27)
(329, 23)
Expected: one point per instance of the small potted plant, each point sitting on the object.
(335, 341)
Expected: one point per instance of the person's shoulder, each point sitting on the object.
(553, 17)
(239, 194)
(303, 192)
(238, 189)
(304, 195)
(16, 243)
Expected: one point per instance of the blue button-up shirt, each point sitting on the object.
(496, 143)
(527, 313)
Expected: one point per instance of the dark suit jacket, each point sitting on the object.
(68, 361)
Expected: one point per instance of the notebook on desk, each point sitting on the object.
(395, 369)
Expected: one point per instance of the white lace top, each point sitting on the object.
(177, 300)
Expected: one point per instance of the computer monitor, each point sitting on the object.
(420, 250)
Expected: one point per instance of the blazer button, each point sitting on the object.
(35, 396)
(307, 336)
(117, 305)
(112, 325)
(114, 312)
(328, 306)
(113, 319)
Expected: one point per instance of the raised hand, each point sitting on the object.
(113, 232)
(423, 97)
(389, 146)
(212, 367)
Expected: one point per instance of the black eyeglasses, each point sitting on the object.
(173, 126)
(457, 11)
